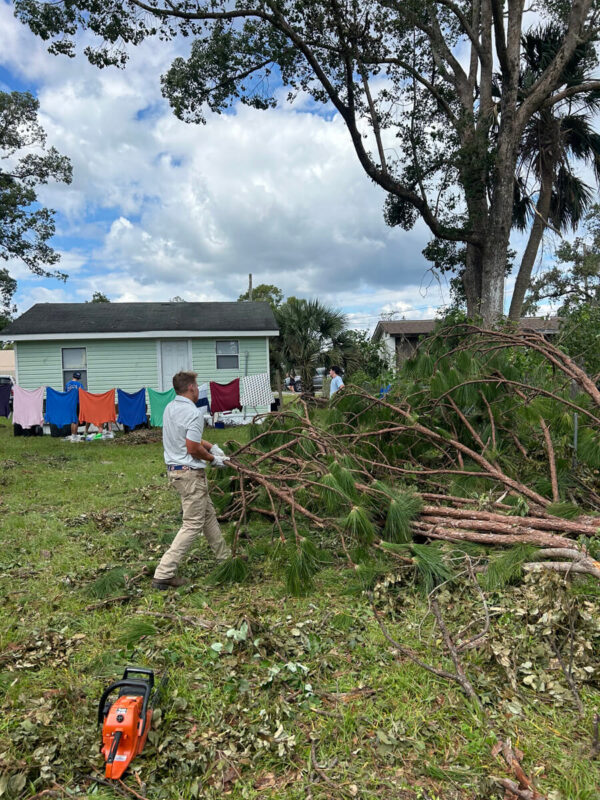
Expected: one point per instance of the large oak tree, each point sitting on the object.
(434, 83)
(26, 228)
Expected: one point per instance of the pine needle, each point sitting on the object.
(108, 584)
(333, 416)
(430, 565)
(506, 567)
(221, 501)
(362, 578)
(471, 549)
(380, 486)
(329, 494)
(133, 631)
(302, 566)
(564, 510)
(400, 548)
(344, 478)
(234, 570)
(403, 508)
(307, 446)
(359, 525)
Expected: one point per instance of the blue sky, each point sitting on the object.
(160, 208)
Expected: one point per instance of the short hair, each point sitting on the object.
(336, 369)
(183, 380)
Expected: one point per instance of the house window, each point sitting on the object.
(228, 354)
(74, 359)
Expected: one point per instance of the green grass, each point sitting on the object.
(83, 524)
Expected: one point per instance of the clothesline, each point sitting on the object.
(81, 406)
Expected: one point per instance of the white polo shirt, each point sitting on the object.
(181, 421)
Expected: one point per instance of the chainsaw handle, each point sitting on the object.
(140, 671)
(150, 683)
(135, 685)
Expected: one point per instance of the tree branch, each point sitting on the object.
(571, 91)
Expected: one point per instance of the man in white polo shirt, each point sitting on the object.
(186, 456)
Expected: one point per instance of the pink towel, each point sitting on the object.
(27, 407)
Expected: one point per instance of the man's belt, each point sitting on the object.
(182, 467)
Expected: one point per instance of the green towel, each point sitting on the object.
(158, 403)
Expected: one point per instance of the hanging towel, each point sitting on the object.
(4, 399)
(132, 408)
(256, 390)
(27, 407)
(97, 408)
(225, 397)
(158, 402)
(202, 401)
(61, 407)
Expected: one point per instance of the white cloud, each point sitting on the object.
(159, 208)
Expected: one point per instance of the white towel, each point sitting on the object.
(256, 390)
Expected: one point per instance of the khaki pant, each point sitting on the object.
(198, 517)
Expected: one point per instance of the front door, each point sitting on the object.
(174, 357)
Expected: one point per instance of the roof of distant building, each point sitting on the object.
(422, 327)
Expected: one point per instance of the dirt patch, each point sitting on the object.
(142, 436)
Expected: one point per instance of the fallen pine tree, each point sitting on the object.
(468, 471)
(463, 449)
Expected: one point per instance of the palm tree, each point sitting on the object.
(558, 134)
(306, 330)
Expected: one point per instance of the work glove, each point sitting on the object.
(216, 450)
(219, 461)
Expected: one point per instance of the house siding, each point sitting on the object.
(126, 364)
(204, 359)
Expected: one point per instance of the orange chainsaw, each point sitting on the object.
(126, 721)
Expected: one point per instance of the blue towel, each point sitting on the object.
(132, 408)
(61, 407)
(202, 402)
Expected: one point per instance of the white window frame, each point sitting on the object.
(83, 370)
(227, 355)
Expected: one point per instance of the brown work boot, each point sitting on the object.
(169, 583)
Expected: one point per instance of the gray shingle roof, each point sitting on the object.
(56, 318)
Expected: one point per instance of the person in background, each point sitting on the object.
(75, 385)
(337, 383)
(187, 455)
(291, 382)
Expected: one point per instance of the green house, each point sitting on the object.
(130, 345)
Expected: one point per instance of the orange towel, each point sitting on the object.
(97, 408)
